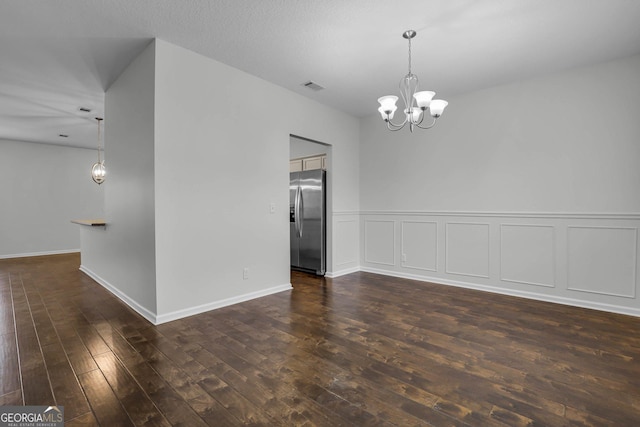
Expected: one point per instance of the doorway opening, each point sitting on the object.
(310, 205)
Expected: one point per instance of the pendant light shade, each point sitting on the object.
(98, 172)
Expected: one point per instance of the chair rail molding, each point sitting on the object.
(507, 214)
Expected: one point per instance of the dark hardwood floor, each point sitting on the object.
(358, 350)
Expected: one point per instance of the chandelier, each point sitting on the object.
(98, 171)
(416, 103)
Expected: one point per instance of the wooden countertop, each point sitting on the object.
(90, 222)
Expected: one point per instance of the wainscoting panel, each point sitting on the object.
(420, 245)
(582, 259)
(527, 254)
(467, 250)
(346, 244)
(602, 260)
(379, 242)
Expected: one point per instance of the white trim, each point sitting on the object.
(135, 306)
(29, 254)
(179, 314)
(511, 292)
(342, 213)
(334, 274)
(524, 282)
(560, 215)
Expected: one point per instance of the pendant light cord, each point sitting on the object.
(99, 139)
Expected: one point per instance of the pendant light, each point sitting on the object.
(416, 103)
(98, 171)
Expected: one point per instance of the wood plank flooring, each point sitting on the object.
(360, 350)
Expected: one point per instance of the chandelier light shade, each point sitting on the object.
(416, 103)
(98, 171)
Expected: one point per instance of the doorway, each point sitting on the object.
(309, 157)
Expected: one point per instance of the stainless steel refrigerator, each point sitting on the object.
(307, 225)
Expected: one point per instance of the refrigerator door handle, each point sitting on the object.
(301, 209)
(296, 211)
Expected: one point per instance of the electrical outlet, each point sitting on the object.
(245, 273)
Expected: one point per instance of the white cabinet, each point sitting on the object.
(312, 163)
(308, 163)
(295, 165)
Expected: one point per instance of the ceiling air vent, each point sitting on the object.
(312, 85)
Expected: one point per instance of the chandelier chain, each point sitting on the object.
(409, 55)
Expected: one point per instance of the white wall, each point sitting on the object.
(566, 142)
(193, 164)
(220, 160)
(529, 188)
(43, 187)
(343, 182)
(122, 256)
(302, 148)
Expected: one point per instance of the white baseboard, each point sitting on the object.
(334, 274)
(179, 314)
(522, 294)
(29, 254)
(147, 314)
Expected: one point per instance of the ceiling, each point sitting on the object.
(59, 55)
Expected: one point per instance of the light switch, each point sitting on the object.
(272, 208)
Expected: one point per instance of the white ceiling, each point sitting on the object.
(59, 55)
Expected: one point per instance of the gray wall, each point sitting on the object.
(43, 188)
(122, 256)
(566, 142)
(302, 148)
(191, 183)
(529, 188)
(220, 162)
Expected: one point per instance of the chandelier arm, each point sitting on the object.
(393, 126)
(427, 127)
